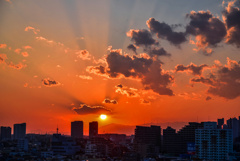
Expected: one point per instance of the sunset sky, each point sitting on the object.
(164, 62)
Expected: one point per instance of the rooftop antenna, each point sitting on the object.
(57, 129)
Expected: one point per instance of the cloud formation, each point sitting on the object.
(207, 29)
(231, 15)
(147, 70)
(141, 37)
(3, 46)
(165, 31)
(3, 58)
(109, 101)
(129, 92)
(225, 81)
(132, 47)
(83, 54)
(84, 109)
(194, 69)
(50, 83)
(34, 30)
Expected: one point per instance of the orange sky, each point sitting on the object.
(64, 61)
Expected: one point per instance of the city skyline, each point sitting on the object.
(133, 62)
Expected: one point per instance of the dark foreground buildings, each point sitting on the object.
(147, 141)
(77, 129)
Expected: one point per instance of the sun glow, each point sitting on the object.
(103, 117)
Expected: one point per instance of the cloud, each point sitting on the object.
(3, 46)
(231, 15)
(132, 47)
(145, 102)
(83, 54)
(50, 83)
(145, 69)
(225, 81)
(129, 92)
(158, 52)
(196, 70)
(165, 31)
(3, 58)
(84, 109)
(25, 54)
(85, 77)
(35, 31)
(209, 30)
(108, 101)
(208, 98)
(141, 37)
(27, 47)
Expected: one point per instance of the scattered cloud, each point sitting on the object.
(3, 58)
(225, 81)
(132, 47)
(50, 83)
(165, 31)
(141, 37)
(158, 52)
(109, 101)
(83, 54)
(84, 109)
(25, 54)
(34, 30)
(145, 102)
(85, 77)
(207, 29)
(231, 16)
(3, 46)
(129, 92)
(194, 69)
(208, 98)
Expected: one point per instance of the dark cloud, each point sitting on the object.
(3, 58)
(85, 109)
(225, 82)
(203, 80)
(108, 101)
(141, 37)
(208, 98)
(209, 30)
(119, 64)
(49, 82)
(119, 86)
(196, 70)
(165, 31)
(145, 102)
(231, 15)
(158, 52)
(132, 47)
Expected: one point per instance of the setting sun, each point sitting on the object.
(103, 117)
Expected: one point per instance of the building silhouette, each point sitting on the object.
(93, 129)
(5, 133)
(147, 140)
(77, 129)
(172, 142)
(212, 143)
(19, 131)
(220, 123)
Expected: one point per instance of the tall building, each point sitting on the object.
(19, 131)
(220, 123)
(233, 123)
(77, 129)
(5, 133)
(212, 143)
(93, 129)
(187, 134)
(172, 142)
(147, 140)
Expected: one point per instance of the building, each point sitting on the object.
(220, 123)
(61, 145)
(19, 131)
(212, 143)
(147, 141)
(93, 129)
(233, 123)
(77, 129)
(172, 142)
(5, 133)
(22, 144)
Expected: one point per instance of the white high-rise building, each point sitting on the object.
(212, 143)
